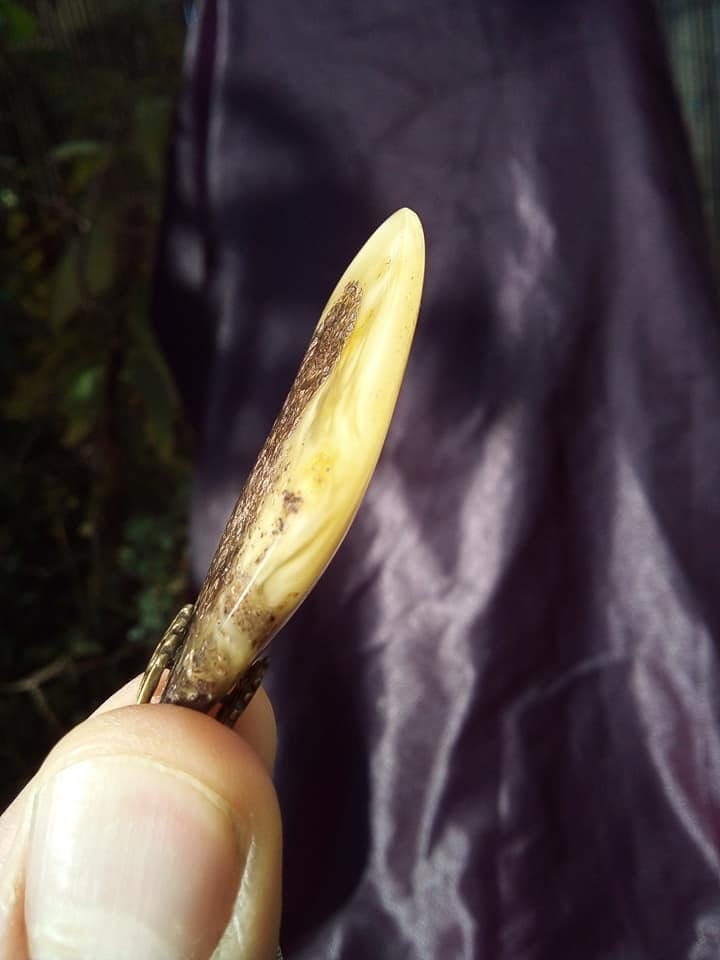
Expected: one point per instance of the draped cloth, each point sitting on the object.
(499, 711)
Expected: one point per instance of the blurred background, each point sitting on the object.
(95, 452)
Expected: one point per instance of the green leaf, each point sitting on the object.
(85, 386)
(81, 404)
(66, 292)
(84, 158)
(8, 198)
(148, 375)
(152, 129)
(100, 266)
(74, 149)
(90, 269)
(17, 25)
(79, 427)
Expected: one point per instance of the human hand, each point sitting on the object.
(149, 833)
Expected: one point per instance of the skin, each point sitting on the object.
(236, 764)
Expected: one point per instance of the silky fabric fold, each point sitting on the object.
(499, 710)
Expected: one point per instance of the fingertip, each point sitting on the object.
(233, 765)
(256, 725)
(121, 803)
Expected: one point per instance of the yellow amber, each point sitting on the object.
(314, 468)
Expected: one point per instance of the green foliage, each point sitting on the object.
(17, 25)
(94, 459)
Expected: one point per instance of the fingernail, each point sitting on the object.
(128, 858)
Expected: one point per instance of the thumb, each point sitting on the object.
(149, 832)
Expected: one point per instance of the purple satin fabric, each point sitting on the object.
(499, 711)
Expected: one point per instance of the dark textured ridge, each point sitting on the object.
(322, 354)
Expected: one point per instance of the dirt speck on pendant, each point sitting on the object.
(291, 501)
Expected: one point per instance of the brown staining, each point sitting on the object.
(322, 354)
(201, 678)
(291, 501)
(255, 621)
